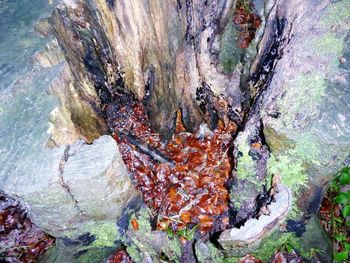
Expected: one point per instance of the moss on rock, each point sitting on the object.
(230, 53)
(246, 167)
(276, 241)
(336, 14)
(303, 90)
(277, 141)
(207, 252)
(292, 173)
(105, 233)
(145, 243)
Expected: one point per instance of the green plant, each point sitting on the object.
(186, 232)
(313, 252)
(340, 224)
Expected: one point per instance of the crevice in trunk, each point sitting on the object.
(263, 68)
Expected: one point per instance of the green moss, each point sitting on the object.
(246, 166)
(274, 242)
(245, 193)
(329, 43)
(277, 141)
(237, 203)
(305, 89)
(138, 245)
(209, 253)
(292, 173)
(232, 260)
(335, 21)
(294, 213)
(105, 233)
(134, 253)
(143, 220)
(141, 240)
(331, 46)
(336, 14)
(246, 171)
(230, 53)
(214, 253)
(309, 147)
(173, 250)
(94, 256)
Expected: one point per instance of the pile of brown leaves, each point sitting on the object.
(183, 180)
(246, 21)
(20, 239)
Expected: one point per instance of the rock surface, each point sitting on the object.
(308, 91)
(256, 228)
(75, 185)
(97, 179)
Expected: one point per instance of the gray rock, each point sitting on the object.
(75, 185)
(303, 110)
(98, 179)
(246, 238)
(309, 90)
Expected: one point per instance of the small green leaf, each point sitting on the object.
(344, 178)
(347, 246)
(342, 198)
(334, 185)
(193, 230)
(347, 223)
(340, 237)
(346, 210)
(182, 233)
(342, 256)
(338, 220)
(345, 170)
(170, 232)
(289, 248)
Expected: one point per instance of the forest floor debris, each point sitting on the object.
(20, 239)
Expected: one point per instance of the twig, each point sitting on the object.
(145, 148)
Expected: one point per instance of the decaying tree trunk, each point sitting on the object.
(284, 92)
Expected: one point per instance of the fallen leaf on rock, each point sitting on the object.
(134, 224)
